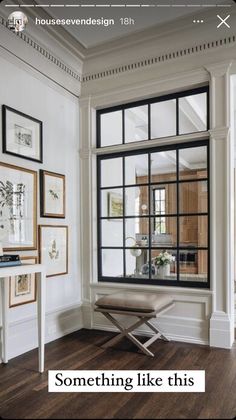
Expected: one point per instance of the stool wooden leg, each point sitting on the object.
(126, 332)
(157, 331)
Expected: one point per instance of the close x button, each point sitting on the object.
(223, 21)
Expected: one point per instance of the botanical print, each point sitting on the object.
(22, 289)
(12, 197)
(22, 285)
(53, 251)
(18, 209)
(52, 194)
(23, 136)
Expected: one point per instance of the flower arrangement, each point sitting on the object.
(164, 258)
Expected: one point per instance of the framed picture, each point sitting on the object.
(18, 208)
(53, 249)
(22, 135)
(23, 287)
(115, 205)
(52, 195)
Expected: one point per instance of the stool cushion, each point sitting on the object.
(133, 301)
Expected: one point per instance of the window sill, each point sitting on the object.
(169, 289)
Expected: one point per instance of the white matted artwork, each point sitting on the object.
(23, 288)
(18, 208)
(54, 249)
(52, 194)
(22, 135)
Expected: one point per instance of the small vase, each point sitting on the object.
(164, 271)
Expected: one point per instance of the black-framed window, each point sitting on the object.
(130, 248)
(170, 115)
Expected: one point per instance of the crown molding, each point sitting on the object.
(43, 51)
(162, 58)
(63, 37)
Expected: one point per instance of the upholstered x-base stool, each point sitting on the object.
(144, 306)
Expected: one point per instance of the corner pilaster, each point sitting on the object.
(221, 216)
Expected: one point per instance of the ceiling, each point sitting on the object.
(145, 13)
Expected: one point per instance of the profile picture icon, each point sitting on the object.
(17, 21)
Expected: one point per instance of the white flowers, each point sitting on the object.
(163, 258)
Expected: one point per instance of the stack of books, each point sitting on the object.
(9, 260)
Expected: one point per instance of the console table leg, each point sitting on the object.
(41, 319)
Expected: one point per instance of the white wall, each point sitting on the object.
(58, 110)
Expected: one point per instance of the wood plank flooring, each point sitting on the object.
(24, 395)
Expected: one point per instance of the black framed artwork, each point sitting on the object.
(52, 194)
(22, 135)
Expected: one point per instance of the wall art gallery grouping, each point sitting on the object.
(22, 137)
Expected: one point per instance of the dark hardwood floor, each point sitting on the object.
(24, 395)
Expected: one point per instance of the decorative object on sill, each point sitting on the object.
(135, 251)
(146, 268)
(144, 241)
(163, 271)
(52, 194)
(144, 209)
(53, 250)
(163, 261)
(22, 135)
(23, 288)
(18, 205)
(9, 260)
(115, 205)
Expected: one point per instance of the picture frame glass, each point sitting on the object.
(18, 208)
(54, 195)
(54, 249)
(23, 135)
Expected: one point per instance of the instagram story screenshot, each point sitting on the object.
(117, 209)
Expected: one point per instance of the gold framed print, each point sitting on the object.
(52, 194)
(53, 249)
(18, 208)
(23, 289)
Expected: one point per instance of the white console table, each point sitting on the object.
(5, 273)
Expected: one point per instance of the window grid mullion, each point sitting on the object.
(151, 217)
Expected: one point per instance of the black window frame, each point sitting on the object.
(176, 96)
(177, 182)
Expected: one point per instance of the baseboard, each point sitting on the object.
(172, 337)
(59, 322)
(221, 330)
(178, 329)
